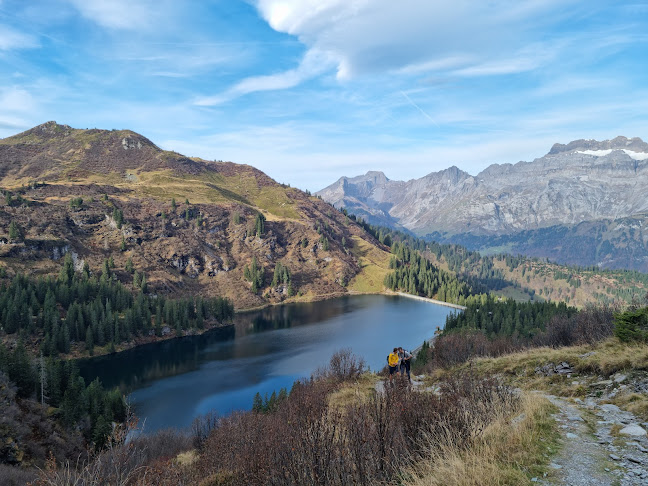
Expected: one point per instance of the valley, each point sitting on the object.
(323, 243)
(108, 243)
(580, 204)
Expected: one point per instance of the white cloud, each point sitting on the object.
(313, 64)
(383, 35)
(16, 100)
(18, 107)
(12, 39)
(119, 14)
(358, 37)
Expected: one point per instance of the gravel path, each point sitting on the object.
(602, 445)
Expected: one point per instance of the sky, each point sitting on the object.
(312, 90)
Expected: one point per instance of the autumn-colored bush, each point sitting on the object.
(591, 325)
(306, 440)
(368, 442)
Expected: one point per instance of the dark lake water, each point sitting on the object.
(172, 382)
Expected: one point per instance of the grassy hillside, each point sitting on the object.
(523, 278)
(190, 226)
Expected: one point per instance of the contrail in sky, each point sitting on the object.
(419, 109)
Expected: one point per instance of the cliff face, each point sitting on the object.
(582, 181)
(199, 243)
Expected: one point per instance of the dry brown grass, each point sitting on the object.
(604, 358)
(353, 393)
(637, 403)
(187, 458)
(508, 452)
(374, 263)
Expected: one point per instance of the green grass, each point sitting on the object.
(374, 264)
(517, 294)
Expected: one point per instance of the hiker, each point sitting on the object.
(405, 362)
(392, 361)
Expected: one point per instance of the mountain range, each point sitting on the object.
(191, 226)
(582, 203)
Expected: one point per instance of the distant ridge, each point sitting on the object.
(582, 181)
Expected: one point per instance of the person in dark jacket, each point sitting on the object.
(405, 362)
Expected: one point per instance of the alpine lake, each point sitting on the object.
(169, 383)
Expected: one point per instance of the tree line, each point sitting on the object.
(494, 317)
(56, 383)
(77, 307)
(414, 274)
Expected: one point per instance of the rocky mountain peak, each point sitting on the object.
(634, 144)
(376, 176)
(584, 180)
(452, 175)
(48, 129)
(51, 150)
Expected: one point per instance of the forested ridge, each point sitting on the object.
(416, 275)
(78, 308)
(508, 275)
(47, 406)
(506, 318)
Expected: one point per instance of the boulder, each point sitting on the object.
(633, 430)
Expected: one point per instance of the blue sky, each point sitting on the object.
(311, 90)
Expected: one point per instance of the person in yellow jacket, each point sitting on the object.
(393, 360)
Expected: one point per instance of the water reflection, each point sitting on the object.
(175, 380)
(137, 367)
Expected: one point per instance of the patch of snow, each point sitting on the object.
(595, 153)
(602, 153)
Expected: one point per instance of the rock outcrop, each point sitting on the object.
(582, 181)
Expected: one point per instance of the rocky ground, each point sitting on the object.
(602, 445)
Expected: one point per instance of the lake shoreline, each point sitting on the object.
(262, 352)
(431, 301)
(144, 340)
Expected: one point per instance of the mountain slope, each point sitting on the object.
(583, 181)
(191, 226)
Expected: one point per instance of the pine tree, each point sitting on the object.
(89, 340)
(118, 216)
(259, 225)
(14, 231)
(67, 271)
(105, 270)
(257, 403)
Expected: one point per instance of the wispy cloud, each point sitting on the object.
(13, 39)
(18, 105)
(423, 112)
(120, 14)
(313, 64)
(367, 37)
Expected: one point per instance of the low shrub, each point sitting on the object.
(364, 443)
(343, 366)
(632, 325)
